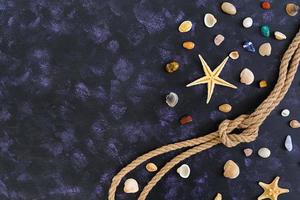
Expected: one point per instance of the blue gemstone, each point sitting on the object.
(249, 46)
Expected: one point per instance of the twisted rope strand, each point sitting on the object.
(249, 123)
(159, 151)
(177, 159)
(270, 102)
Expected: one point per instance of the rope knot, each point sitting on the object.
(227, 127)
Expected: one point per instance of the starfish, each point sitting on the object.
(272, 190)
(211, 78)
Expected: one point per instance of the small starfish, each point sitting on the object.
(211, 78)
(272, 190)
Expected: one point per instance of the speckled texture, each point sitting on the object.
(82, 88)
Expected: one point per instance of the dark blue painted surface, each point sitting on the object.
(82, 91)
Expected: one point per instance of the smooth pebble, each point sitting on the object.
(265, 31)
(266, 5)
(185, 26)
(225, 108)
(294, 123)
(247, 22)
(285, 112)
(264, 152)
(248, 152)
(151, 167)
(188, 45)
(228, 8)
(219, 39)
(279, 36)
(288, 143)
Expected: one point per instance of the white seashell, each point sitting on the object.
(285, 113)
(172, 99)
(265, 49)
(184, 171)
(279, 36)
(288, 143)
(247, 22)
(219, 39)
(131, 186)
(209, 20)
(264, 152)
(247, 76)
(228, 8)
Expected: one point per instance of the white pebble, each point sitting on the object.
(285, 113)
(288, 143)
(184, 171)
(228, 8)
(279, 36)
(219, 39)
(264, 152)
(247, 22)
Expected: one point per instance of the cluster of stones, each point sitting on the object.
(231, 168)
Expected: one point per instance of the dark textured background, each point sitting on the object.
(82, 90)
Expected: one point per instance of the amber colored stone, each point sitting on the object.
(186, 119)
(263, 84)
(151, 167)
(292, 9)
(185, 26)
(294, 123)
(225, 108)
(172, 67)
(188, 45)
(266, 5)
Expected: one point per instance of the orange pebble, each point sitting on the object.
(266, 5)
(188, 45)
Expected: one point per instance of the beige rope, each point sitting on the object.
(248, 124)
